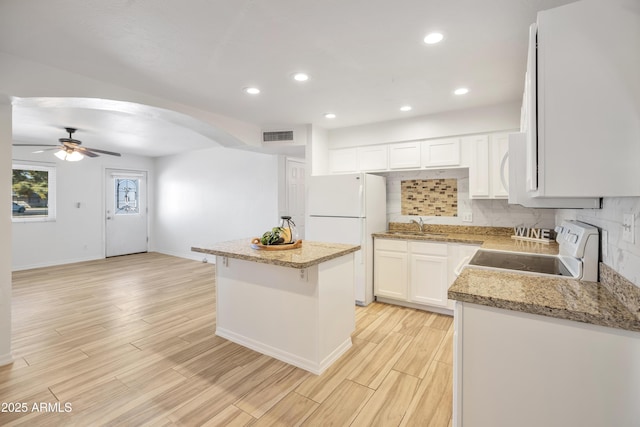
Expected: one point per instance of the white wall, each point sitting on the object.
(472, 121)
(77, 234)
(318, 159)
(213, 195)
(622, 256)
(5, 232)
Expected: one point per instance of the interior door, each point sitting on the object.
(295, 170)
(126, 212)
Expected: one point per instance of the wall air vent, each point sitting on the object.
(277, 136)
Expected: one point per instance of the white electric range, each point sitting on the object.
(577, 258)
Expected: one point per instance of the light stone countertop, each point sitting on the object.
(563, 298)
(486, 241)
(310, 254)
(613, 303)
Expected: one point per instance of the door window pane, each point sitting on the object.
(127, 196)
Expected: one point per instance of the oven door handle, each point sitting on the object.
(461, 265)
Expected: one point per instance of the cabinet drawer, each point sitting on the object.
(391, 245)
(428, 248)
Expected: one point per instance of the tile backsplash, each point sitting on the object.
(429, 197)
(491, 213)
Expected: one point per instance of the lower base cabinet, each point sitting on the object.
(417, 272)
(527, 370)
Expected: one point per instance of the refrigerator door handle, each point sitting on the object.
(363, 241)
(361, 198)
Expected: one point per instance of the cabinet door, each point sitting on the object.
(499, 165)
(390, 276)
(441, 152)
(404, 156)
(343, 160)
(479, 168)
(428, 280)
(374, 158)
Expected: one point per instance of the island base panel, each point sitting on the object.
(302, 317)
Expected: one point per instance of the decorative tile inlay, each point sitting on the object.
(430, 197)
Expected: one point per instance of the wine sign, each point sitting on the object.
(542, 235)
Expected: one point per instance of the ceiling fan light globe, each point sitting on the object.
(74, 156)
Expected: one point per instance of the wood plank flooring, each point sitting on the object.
(131, 341)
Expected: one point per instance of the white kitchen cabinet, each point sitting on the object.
(440, 152)
(405, 155)
(428, 282)
(343, 160)
(373, 158)
(488, 168)
(417, 273)
(479, 167)
(390, 268)
(526, 370)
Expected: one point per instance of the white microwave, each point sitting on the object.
(581, 103)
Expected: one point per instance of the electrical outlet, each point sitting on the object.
(628, 228)
(467, 217)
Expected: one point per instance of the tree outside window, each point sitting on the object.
(33, 188)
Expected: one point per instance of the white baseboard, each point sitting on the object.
(335, 354)
(54, 263)
(284, 356)
(196, 256)
(6, 359)
(424, 307)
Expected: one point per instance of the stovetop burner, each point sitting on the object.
(520, 262)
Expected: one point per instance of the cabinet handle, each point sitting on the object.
(505, 184)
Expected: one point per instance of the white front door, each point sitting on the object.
(295, 170)
(126, 212)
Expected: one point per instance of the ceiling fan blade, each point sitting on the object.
(34, 145)
(87, 149)
(85, 152)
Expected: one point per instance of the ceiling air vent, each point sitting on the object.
(277, 136)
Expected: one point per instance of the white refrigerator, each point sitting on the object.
(347, 209)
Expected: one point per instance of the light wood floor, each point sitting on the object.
(130, 341)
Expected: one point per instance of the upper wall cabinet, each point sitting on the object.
(404, 155)
(488, 171)
(344, 160)
(373, 158)
(440, 152)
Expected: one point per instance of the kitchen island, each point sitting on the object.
(294, 305)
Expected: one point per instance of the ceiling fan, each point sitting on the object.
(70, 148)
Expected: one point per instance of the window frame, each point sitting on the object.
(50, 168)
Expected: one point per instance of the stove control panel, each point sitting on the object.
(578, 239)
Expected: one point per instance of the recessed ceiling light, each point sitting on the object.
(330, 116)
(461, 91)
(433, 38)
(405, 108)
(251, 90)
(300, 77)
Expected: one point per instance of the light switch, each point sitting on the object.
(628, 228)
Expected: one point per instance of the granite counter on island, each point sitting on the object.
(295, 305)
(310, 254)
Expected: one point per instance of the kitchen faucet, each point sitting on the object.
(420, 223)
